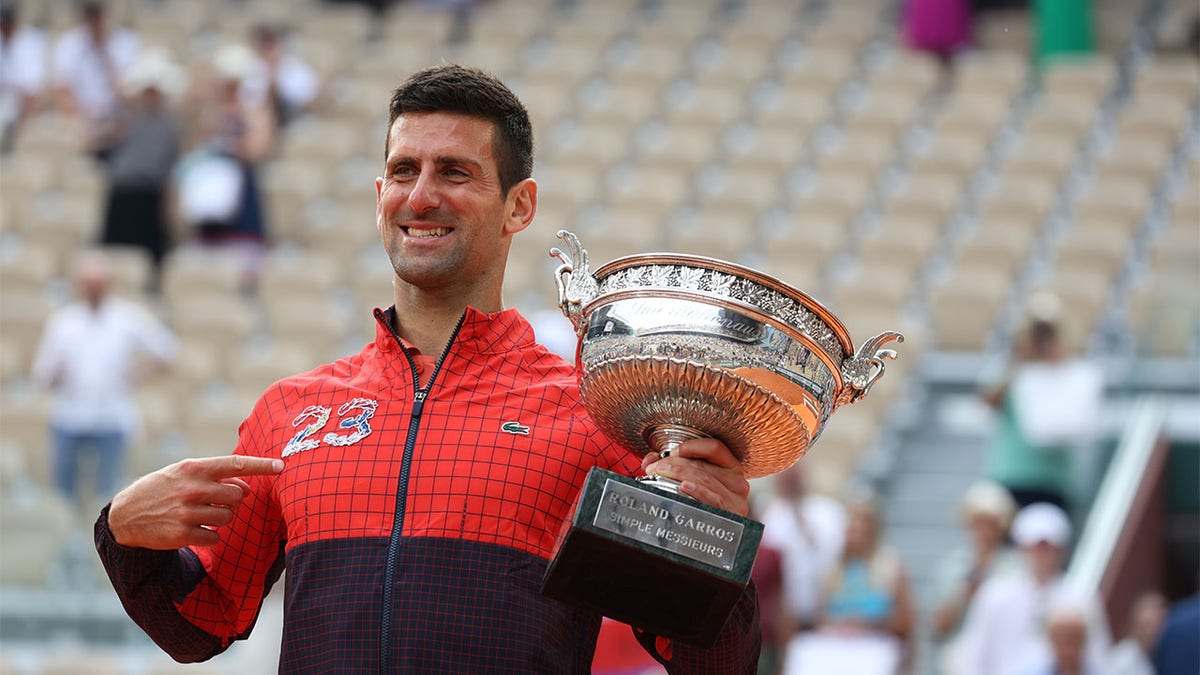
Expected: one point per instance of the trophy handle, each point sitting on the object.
(862, 370)
(576, 285)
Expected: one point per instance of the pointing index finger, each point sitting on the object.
(233, 466)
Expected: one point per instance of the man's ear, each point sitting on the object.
(378, 196)
(520, 206)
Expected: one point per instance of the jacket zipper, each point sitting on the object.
(410, 444)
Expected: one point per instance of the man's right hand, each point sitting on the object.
(183, 504)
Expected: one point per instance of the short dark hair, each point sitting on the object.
(470, 91)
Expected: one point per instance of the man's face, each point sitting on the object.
(1044, 559)
(1068, 638)
(440, 211)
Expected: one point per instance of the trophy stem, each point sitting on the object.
(664, 438)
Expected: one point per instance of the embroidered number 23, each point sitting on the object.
(354, 414)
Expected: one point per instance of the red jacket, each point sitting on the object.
(415, 523)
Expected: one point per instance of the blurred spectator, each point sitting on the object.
(1134, 654)
(942, 27)
(89, 63)
(867, 617)
(1004, 631)
(767, 574)
(1178, 650)
(808, 530)
(1049, 405)
(1067, 633)
(219, 197)
(1064, 28)
(22, 72)
(140, 146)
(91, 352)
(987, 511)
(279, 79)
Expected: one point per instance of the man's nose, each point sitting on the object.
(424, 195)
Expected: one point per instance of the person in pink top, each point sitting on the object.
(942, 27)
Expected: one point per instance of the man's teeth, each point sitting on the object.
(435, 232)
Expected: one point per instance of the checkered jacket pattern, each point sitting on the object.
(415, 523)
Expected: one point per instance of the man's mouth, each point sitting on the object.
(426, 232)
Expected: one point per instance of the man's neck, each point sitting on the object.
(428, 322)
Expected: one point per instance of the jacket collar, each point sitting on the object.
(496, 333)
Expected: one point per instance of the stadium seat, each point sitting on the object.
(1087, 78)
(750, 190)
(630, 102)
(132, 269)
(28, 267)
(36, 524)
(293, 274)
(316, 325)
(678, 146)
(192, 270)
(965, 304)
(23, 315)
(207, 317)
(653, 190)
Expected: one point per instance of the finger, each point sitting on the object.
(238, 482)
(212, 516)
(202, 536)
(729, 481)
(232, 466)
(650, 458)
(710, 450)
(703, 494)
(225, 493)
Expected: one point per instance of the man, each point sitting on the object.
(140, 147)
(1067, 634)
(1178, 650)
(414, 491)
(1004, 631)
(89, 355)
(280, 79)
(22, 72)
(1048, 405)
(89, 62)
(808, 530)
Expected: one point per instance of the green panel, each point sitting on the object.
(1183, 478)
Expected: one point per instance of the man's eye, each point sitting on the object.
(456, 172)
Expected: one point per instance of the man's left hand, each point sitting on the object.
(707, 472)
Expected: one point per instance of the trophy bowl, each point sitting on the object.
(675, 346)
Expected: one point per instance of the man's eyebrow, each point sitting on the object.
(450, 159)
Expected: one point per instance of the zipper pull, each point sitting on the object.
(419, 402)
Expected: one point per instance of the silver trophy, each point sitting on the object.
(674, 347)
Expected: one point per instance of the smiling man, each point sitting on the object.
(413, 491)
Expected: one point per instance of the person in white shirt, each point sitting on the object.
(987, 511)
(89, 63)
(809, 531)
(279, 79)
(1004, 632)
(22, 71)
(90, 353)
(1133, 655)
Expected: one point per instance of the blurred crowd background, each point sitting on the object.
(1013, 185)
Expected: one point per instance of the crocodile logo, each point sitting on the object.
(515, 428)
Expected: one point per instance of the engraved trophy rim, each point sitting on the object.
(774, 283)
(810, 365)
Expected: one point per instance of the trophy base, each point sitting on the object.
(662, 562)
